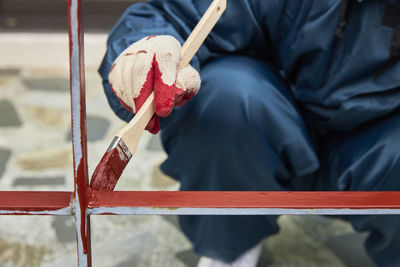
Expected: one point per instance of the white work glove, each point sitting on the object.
(152, 63)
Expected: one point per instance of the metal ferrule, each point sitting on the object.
(119, 143)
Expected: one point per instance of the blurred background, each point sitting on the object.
(35, 154)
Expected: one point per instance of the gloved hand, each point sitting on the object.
(152, 63)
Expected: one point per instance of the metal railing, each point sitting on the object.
(84, 202)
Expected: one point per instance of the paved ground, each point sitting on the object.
(35, 154)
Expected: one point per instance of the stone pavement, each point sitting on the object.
(35, 154)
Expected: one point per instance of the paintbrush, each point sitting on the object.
(124, 144)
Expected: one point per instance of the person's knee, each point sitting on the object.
(244, 125)
(240, 92)
(245, 101)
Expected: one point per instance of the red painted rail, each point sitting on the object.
(84, 202)
(35, 203)
(246, 199)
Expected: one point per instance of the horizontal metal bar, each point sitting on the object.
(207, 202)
(35, 203)
(235, 211)
(245, 199)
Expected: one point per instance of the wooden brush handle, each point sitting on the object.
(134, 129)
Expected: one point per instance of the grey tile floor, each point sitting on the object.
(35, 154)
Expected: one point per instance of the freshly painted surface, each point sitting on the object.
(79, 138)
(247, 199)
(250, 203)
(35, 203)
(236, 211)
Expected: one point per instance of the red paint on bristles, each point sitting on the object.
(110, 168)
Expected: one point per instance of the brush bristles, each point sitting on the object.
(111, 166)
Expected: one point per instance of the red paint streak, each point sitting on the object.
(182, 96)
(81, 186)
(154, 124)
(81, 173)
(109, 170)
(151, 36)
(141, 52)
(246, 199)
(164, 95)
(126, 54)
(34, 201)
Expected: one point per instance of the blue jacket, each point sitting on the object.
(340, 57)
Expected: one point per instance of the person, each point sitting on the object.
(295, 95)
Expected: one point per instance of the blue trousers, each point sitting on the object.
(245, 131)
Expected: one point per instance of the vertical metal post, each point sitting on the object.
(79, 139)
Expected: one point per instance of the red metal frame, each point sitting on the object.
(40, 203)
(84, 202)
(79, 130)
(246, 199)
